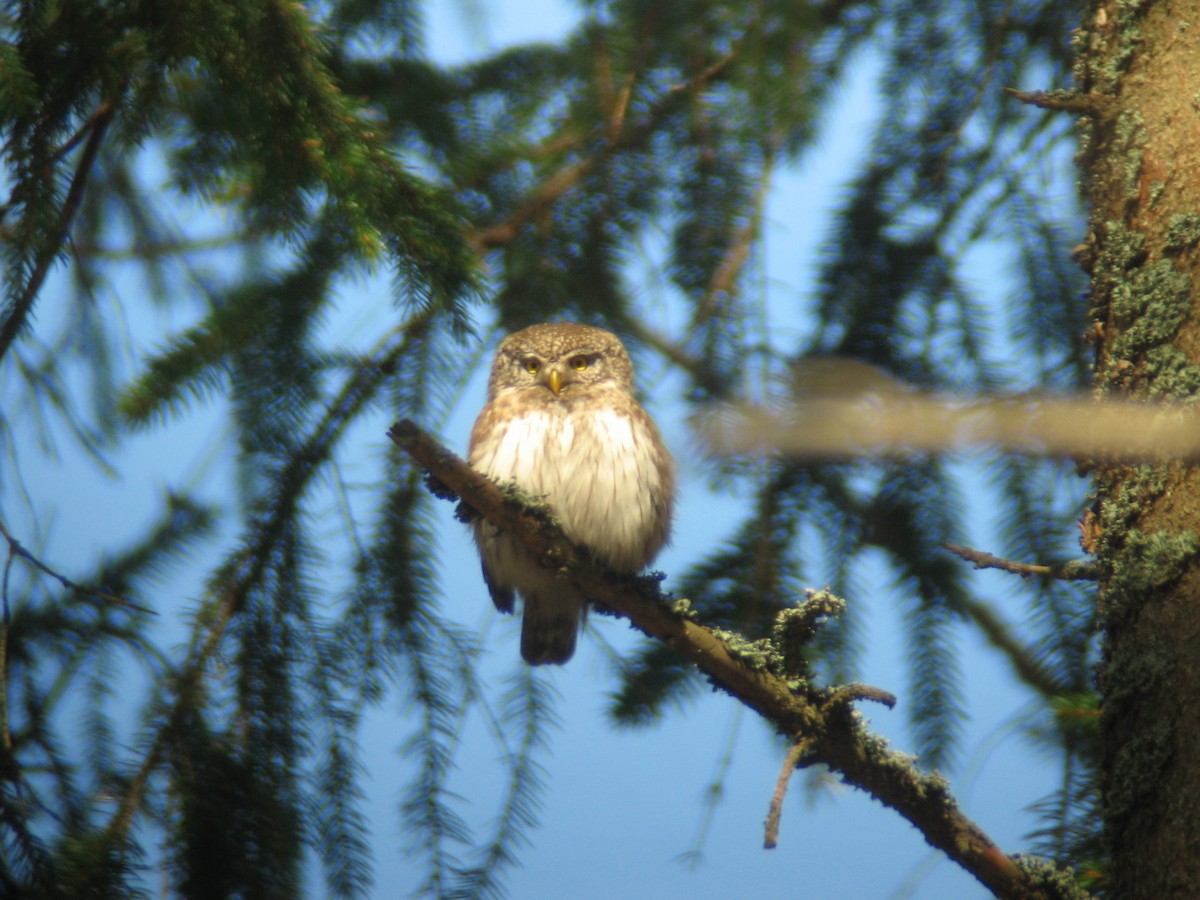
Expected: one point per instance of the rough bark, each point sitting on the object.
(1139, 78)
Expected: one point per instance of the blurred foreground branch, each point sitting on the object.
(854, 424)
(824, 718)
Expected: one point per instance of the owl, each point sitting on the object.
(561, 421)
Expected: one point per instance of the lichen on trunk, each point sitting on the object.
(1140, 62)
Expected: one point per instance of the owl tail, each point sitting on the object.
(548, 629)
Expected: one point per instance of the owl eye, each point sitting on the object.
(579, 363)
(531, 365)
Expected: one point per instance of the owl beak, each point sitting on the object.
(554, 380)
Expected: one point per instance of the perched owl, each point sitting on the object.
(562, 422)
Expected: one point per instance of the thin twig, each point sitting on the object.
(1027, 664)
(15, 551)
(103, 111)
(848, 693)
(742, 240)
(771, 830)
(1073, 570)
(1065, 101)
(696, 367)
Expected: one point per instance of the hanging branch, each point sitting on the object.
(791, 762)
(242, 573)
(52, 244)
(823, 718)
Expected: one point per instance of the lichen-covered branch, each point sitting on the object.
(833, 731)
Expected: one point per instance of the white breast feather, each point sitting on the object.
(601, 496)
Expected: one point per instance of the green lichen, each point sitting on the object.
(533, 504)
(1183, 231)
(1137, 769)
(760, 655)
(1122, 249)
(1170, 375)
(1052, 879)
(1124, 504)
(682, 607)
(1141, 485)
(795, 629)
(878, 751)
(1130, 137)
(1132, 679)
(1156, 559)
(1149, 307)
(1132, 674)
(1129, 34)
(1097, 65)
(1144, 563)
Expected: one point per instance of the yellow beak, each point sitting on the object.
(554, 379)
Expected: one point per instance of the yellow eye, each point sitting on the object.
(531, 365)
(579, 363)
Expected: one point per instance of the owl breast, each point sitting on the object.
(599, 470)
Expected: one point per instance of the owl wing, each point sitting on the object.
(502, 597)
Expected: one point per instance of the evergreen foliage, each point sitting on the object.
(321, 148)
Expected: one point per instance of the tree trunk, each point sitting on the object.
(1139, 76)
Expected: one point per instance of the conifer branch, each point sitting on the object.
(616, 137)
(1028, 666)
(742, 240)
(834, 732)
(693, 365)
(243, 572)
(51, 244)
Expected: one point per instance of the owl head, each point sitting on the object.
(561, 358)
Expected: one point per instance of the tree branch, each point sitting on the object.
(823, 718)
(1072, 570)
(1064, 101)
(234, 581)
(1026, 663)
(790, 761)
(16, 551)
(618, 136)
(21, 306)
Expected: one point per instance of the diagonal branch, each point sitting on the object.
(50, 247)
(832, 731)
(619, 136)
